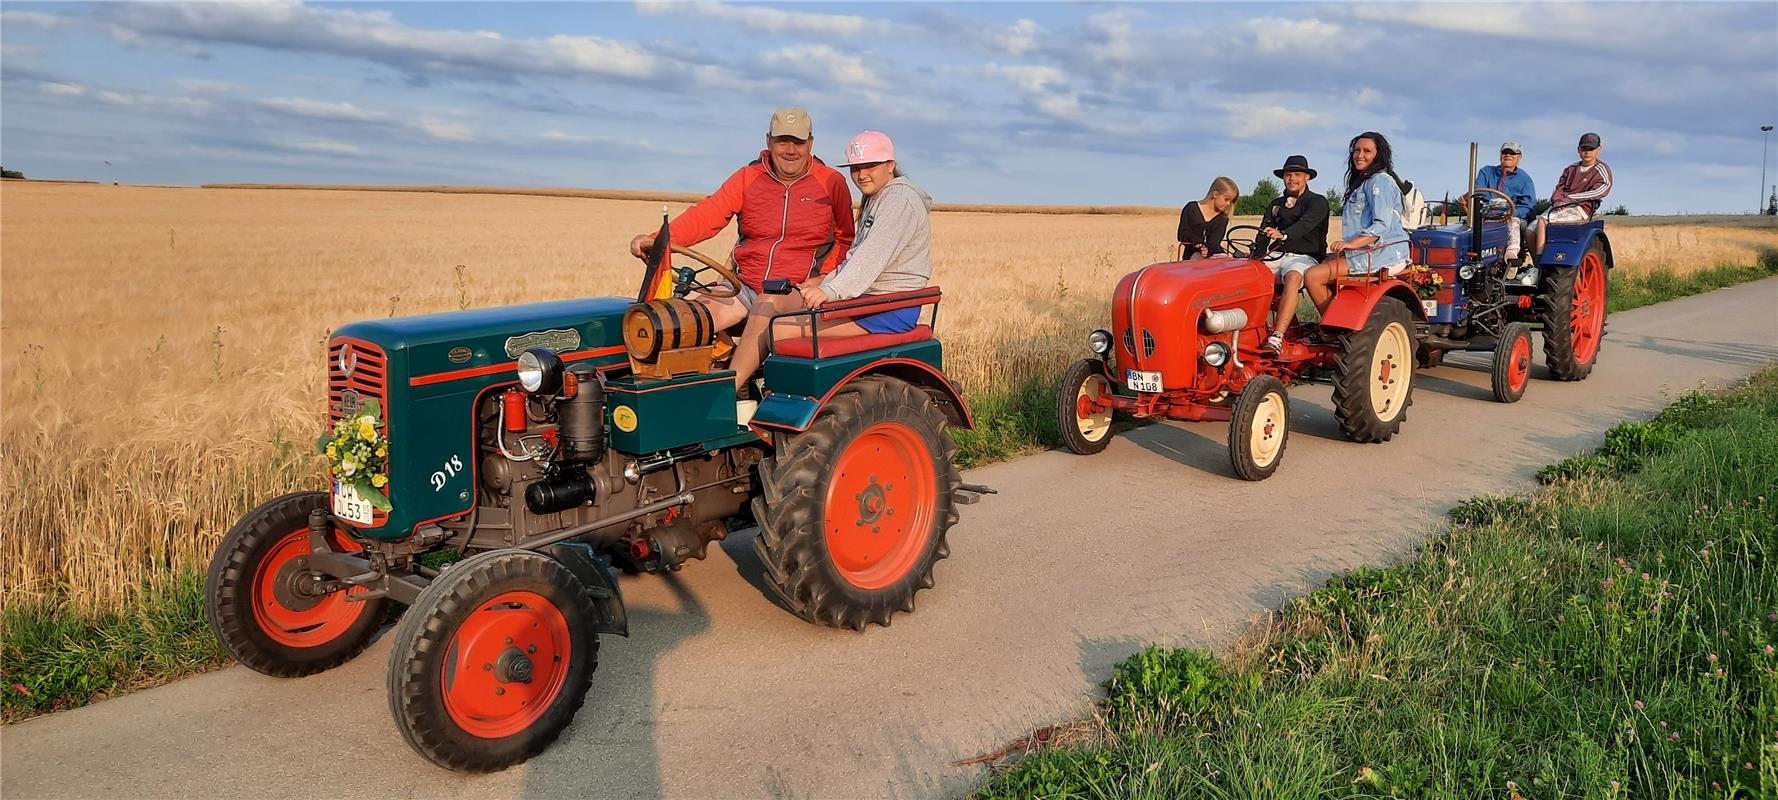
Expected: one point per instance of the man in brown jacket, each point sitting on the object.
(1583, 185)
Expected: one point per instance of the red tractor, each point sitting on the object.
(1185, 344)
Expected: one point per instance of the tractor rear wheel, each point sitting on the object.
(1512, 363)
(492, 661)
(1259, 427)
(269, 610)
(1374, 374)
(1574, 315)
(853, 511)
(1085, 429)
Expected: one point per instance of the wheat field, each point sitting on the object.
(162, 347)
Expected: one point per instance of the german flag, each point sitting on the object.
(657, 272)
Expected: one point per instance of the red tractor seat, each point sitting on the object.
(804, 346)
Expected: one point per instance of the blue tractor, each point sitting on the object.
(1488, 304)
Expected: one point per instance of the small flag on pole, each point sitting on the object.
(655, 266)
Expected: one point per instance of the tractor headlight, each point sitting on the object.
(1466, 271)
(1100, 341)
(1216, 354)
(540, 371)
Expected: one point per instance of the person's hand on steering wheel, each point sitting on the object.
(639, 245)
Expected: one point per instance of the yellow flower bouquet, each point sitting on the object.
(358, 453)
(1425, 281)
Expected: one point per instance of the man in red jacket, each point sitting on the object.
(795, 221)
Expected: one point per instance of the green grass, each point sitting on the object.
(1611, 635)
(1653, 287)
(51, 659)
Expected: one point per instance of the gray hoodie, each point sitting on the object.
(893, 251)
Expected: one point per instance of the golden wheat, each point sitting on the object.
(162, 346)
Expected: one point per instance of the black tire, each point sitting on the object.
(1259, 428)
(1512, 363)
(460, 620)
(1570, 353)
(812, 473)
(285, 634)
(1082, 435)
(1369, 396)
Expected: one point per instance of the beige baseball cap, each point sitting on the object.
(791, 121)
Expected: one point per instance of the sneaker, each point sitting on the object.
(744, 410)
(1275, 342)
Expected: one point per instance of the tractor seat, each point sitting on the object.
(804, 346)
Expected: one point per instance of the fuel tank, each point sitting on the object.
(1157, 313)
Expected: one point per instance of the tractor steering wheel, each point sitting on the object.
(1239, 240)
(1512, 209)
(716, 290)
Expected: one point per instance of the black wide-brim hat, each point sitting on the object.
(1296, 164)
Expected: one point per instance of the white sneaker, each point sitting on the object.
(1275, 342)
(744, 411)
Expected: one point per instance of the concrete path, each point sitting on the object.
(1076, 564)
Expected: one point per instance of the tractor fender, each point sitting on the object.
(1569, 251)
(600, 585)
(782, 411)
(1352, 305)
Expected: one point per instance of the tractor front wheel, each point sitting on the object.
(1259, 427)
(1574, 315)
(1374, 374)
(269, 610)
(492, 661)
(853, 511)
(1512, 363)
(1083, 410)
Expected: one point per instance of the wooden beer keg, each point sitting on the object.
(659, 326)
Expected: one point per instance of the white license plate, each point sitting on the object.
(347, 505)
(1431, 307)
(1141, 381)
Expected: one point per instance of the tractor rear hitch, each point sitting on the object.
(969, 494)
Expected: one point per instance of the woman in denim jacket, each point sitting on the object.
(1371, 222)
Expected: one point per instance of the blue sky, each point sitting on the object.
(987, 102)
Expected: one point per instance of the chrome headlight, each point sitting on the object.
(1466, 271)
(1100, 341)
(1216, 354)
(540, 371)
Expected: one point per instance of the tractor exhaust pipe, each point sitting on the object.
(1475, 207)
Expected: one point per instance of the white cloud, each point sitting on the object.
(770, 20)
(64, 89)
(1016, 39)
(601, 56)
(206, 85)
(1251, 122)
(1307, 36)
(31, 19)
(329, 146)
(823, 62)
(116, 98)
(323, 109)
(446, 131)
(563, 136)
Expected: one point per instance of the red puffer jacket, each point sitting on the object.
(787, 230)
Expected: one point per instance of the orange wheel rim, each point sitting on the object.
(1518, 363)
(285, 604)
(506, 664)
(878, 513)
(1587, 319)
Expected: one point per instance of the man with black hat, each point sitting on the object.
(1583, 185)
(1293, 238)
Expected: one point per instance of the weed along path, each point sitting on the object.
(1074, 565)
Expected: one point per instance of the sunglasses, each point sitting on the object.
(1508, 153)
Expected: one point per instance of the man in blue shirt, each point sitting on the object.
(1507, 177)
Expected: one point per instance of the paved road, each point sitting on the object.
(1076, 564)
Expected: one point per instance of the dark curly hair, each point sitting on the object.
(1384, 162)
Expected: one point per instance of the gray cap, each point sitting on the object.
(1511, 147)
(1589, 140)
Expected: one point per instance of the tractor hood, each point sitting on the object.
(1156, 310)
(431, 345)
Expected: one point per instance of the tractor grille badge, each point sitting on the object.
(557, 339)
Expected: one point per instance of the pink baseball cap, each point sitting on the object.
(869, 147)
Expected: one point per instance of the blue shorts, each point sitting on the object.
(900, 320)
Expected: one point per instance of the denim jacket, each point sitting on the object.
(1375, 210)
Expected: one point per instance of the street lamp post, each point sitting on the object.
(1764, 146)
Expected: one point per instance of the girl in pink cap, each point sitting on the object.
(892, 251)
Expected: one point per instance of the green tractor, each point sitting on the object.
(556, 443)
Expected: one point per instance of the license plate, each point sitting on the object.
(347, 505)
(1431, 307)
(1141, 381)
